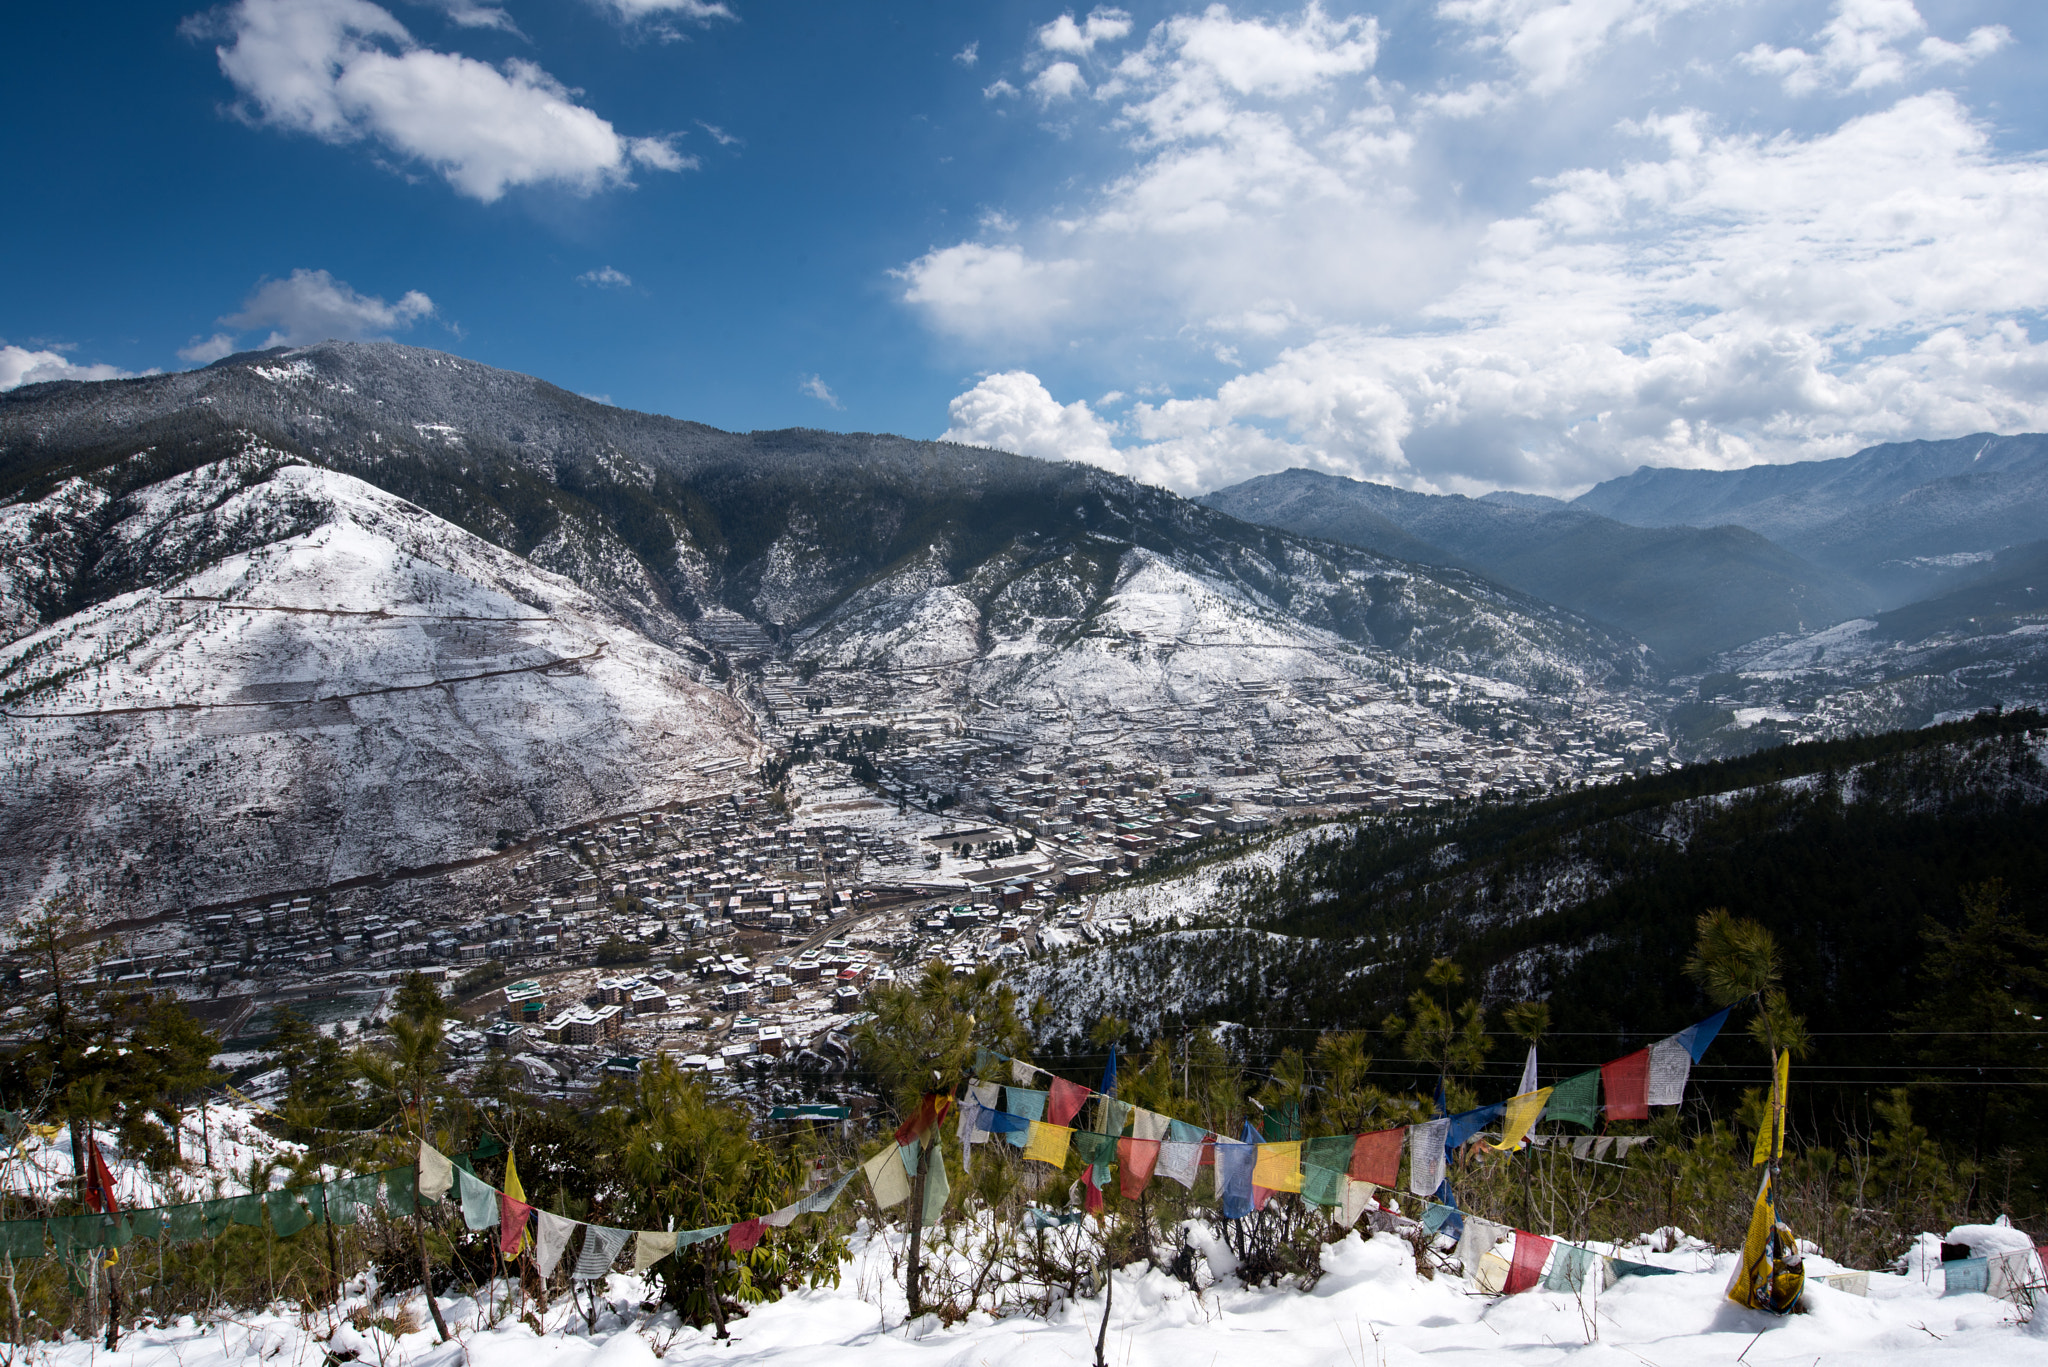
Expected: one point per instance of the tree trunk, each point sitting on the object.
(426, 1267)
(1108, 1295)
(711, 1291)
(113, 1308)
(913, 1282)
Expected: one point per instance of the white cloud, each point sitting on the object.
(815, 387)
(604, 277)
(312, 306)
(20, 366)
(1060, 81)
(1859, 49)
(1012, 411)
(1103, 26)
(699, 11)
(969, 55)
(972, 289)
(998, 89)
(346, 70)
(1551, 42)
(474, 14)
(718, 135)
(207, 350)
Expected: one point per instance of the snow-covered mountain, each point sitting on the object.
(371, 478)
(315, 681)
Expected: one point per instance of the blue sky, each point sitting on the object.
(1456, 245)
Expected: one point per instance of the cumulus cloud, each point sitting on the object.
(474, 14)
(998, 89)
(207, 350)
(815, 387)
(1060, 81)
(1103, 26)
(1550, 42)
(312, 306)
(1013, 411)
(1696, 296)
(969, 55)
(22, 365)
(1860, 48)
(604, 277)
(348, 71)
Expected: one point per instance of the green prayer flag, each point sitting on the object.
(71, 1233)
(401, 1190)
(114, 1231)
(221, 1214)
(21, 1238)
(1323, 1186)
(936, 1189)
(1576, 1100)
(244, 1210)
(187, 1222)
(1331, 1152)
(147, 1223)
(288, 1213)
(1093, 1147)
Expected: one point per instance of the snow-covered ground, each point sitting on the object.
(1370, 1309)
(377, 688)
(42, 1168)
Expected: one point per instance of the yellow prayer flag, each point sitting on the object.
(1770, 1136)
(517, 1191)
(886, 1177)
(1279, 1166)
(1753, 1273)
(1048, 1143)
(1522, 1112)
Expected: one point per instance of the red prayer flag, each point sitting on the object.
(1066, 1100)
(1260, 1195)
(1092, 1195)
(1135, 1159)
(1627, 1084)
(1531, 1251)
(931, 1109)
(744, 1235)
(511, 1224)
(99, 1183)
(1376, 1157)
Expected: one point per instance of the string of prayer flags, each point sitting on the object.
(1235, 1164)
(437, 1172)
(1027, 1104)
(512, 1212)
(1626, 1081)
(1531, 1252)
(742, 1237)
(1094, 1148)
(1135, 1161)
(1065, 1101)
(601, 1245)
(1048, 1143)
(1278, 1166)
(1576, 1100)
(1149, 1124)
(288, 1213)
(650, 1246)
(553, 1239)
(931, 1109)
(887, 1177)
(1465, 1125)
(1521, 1113)
(1321, 1186)
(1697, 1036)
(1478, 1240)
(1426, 1155)
(1376, 1157)
(1568, 1269)
(1180, 1160)
(1670, 1066)
(479, 1200)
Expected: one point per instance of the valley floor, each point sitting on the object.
(1369, 1309)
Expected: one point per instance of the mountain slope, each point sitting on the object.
(1687, 592)
(317, 682)
(1890, 514)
